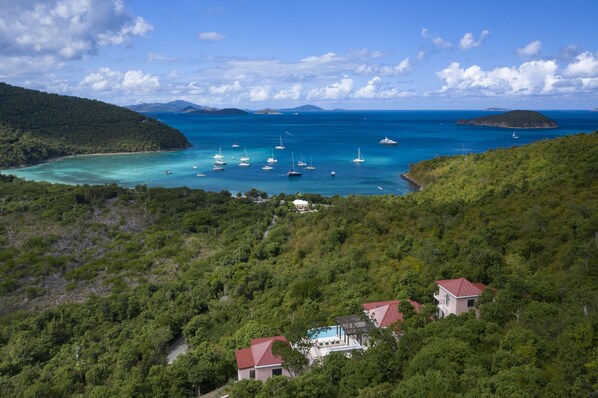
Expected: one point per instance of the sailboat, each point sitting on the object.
(515, 135)
(219, 162)
(293, 172)
(267, 167)
(219, 154)
(280, 146)
(359, 158)
(311, 164)
(235, 145)
(302, 162)
(244, 158)
(272, 159)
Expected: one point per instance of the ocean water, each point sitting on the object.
(331, 139)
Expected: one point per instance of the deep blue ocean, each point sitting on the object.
(331, 139)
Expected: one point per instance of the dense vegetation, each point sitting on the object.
(36, 126)
(513, 119)
(154, 264)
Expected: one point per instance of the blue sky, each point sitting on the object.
(335, 54)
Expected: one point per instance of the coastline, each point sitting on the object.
(418, 187)
(55, 159)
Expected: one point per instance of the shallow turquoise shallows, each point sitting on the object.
(328, 140)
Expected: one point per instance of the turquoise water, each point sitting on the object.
(330, 138)
(323, 333)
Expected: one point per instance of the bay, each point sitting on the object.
(331, 139)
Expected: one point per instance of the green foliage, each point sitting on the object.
(123, 273)
(36, 126)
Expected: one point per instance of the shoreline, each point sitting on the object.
(418, 187)
(50, 160)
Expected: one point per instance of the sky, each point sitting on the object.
(350, 54)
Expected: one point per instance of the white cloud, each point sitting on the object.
(401, 68)
(338, 90)
(210, 36)
(159, 57)
(65, 29)
(106, 79)
(235, 87)
(441, 43)
(259, 94)
(531, 49)
(421, 55)
(293, 94)
(467, 41)
(425, 33)
(535, 77)
(584, 65)
(373, 89)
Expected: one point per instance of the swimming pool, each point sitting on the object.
(320, 333)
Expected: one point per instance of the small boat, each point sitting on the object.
(302, 162)
(280, 146)
(359, 158)
(272, 159)
(200, 175)
(380, 188)
(217, 168)
(167, 172)
(219, 162)
(218, 155)
(244, 164)
(293, 172)
(267, 167)
(388, 141)
(244, 158)
(332, 173)
(311, 164)
(235, 145)
(515, 135)
(194, 166)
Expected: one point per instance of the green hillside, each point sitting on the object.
(36, 126)
(122, 273)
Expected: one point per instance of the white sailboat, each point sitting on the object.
(218, 155)
(311, 164)
(302, 162)
(280, 146)
(272, 159)
(293, 172)
(219, 162)
(515, 135)
(217, 168)
(359, 158)
(244, 158)
(267, 167)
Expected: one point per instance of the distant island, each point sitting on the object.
(497, 109)
(225, 111)
(267, 111)
(37, 126)
(303, 108)
(177, 106)
(513, 119)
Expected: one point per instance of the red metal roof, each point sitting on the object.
(259, 354)
(385, 313)
(461, 287)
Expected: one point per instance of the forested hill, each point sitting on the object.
(513, 119)
(97, 281)
(36, 126)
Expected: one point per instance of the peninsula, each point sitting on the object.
(37, 126)
(513, 119)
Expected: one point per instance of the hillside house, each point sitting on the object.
(385, 313)
(456, 296)
(258, 362)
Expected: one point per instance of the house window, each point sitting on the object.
(447, 299)
(470, 303)
(252, 374)
(277, 372)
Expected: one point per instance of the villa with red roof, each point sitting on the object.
(258, 362)
(456, 296)
(386, 313)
